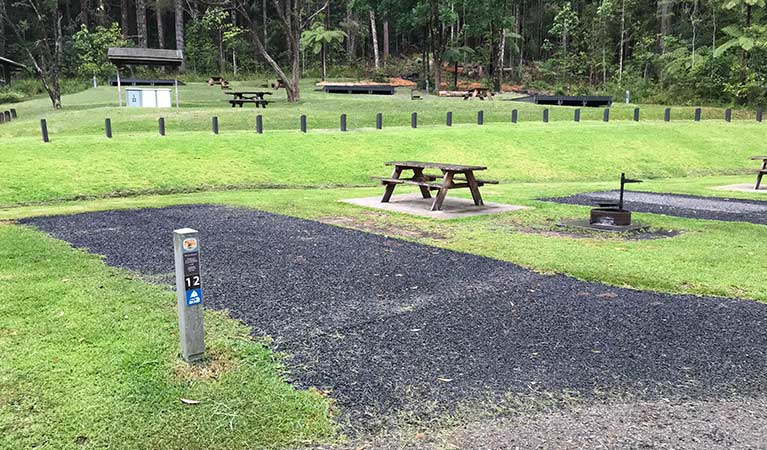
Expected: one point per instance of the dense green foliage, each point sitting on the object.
(664, 51)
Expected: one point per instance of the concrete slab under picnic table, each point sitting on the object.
(394, 329)
(415, 204)
(743, 187)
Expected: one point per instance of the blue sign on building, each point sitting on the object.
(193, 297)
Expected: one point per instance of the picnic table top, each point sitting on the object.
(247, 92)
(759, 157)
(434, 165)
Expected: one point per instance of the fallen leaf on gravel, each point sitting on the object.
(445, 380)
(420, 436)
(607, 295)
(596, 351)
(187, 401)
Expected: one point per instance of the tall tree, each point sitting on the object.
(124, 24)
(42, 41)
(160, 26)
(292, 17)
(178, 10)
(374, 35)
(141, 29)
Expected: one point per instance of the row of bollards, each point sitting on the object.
(6, 116)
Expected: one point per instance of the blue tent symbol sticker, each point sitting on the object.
(193, 297)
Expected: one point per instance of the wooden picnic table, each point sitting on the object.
(242, 97)
(453, 176)
(479, 93)
(761, 171)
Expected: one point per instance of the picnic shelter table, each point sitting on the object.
(241, 97)
(761, 171)
(453, 176)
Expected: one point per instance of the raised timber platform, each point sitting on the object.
(140, 82)
(370, 89)
(568, 100)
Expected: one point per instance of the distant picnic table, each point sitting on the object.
(242, 97)
(761, 171)
(479, 93)
(453, 176)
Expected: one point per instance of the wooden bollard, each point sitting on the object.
(7, 116)
(728, 114)
(667, 115)
(2, 118)
(606, 115)
(259, 124)
(414, 120)
(577, 115)
(343, 122)
(449, 119)
(379, 121)
(13, 113)
(546, 115)
(214, 124)
(697, 114)
(161, 125)
(108, 128)
(303, 123)
(759, 115)
(514, 116)
(636, 114)
(480, 117)
(44, 130)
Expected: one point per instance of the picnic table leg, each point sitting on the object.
(390, 187)
(447, 181)
(760, 175)
(474, 188)
(418, 175)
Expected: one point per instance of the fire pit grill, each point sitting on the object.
(610, 216)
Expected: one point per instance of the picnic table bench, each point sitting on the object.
(454, 176)
(479, 93)
(761, 171)
(242, 97)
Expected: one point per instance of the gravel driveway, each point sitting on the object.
(690, 206)
(393, 328)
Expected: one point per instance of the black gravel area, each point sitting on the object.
(691, 206)
(391, 327)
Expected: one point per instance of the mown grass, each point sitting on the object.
(75, 167)
(706, 258)
(88, 359)
(84, 112)
(88, 353)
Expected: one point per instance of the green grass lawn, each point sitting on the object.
(92, 166)
(88, 353)
(84, 112)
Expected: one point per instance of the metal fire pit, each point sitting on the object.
(610, 216)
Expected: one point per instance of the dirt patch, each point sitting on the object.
(553, 228)
(375, 223)
(211, 368)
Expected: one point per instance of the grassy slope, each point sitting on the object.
(70, 167)
(88, 355)
(84, 112)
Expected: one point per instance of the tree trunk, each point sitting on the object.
(179, 22)
(437, 43)
(2, 31)
(664, 16)
(160, 27)
(124, 18)
(374, 35)
(385, 40)
(85, 13)
(263, 19)
(141, 23)
(622, 43)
